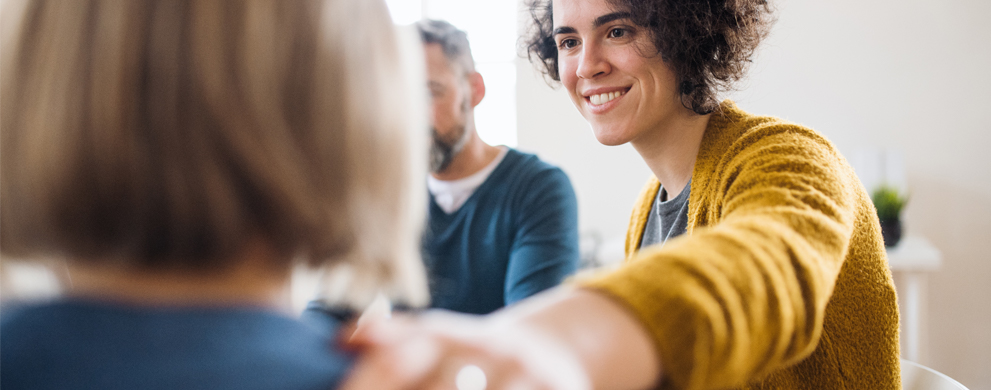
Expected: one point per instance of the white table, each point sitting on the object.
(910, 261)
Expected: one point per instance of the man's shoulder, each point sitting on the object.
(528, 179)
(527, 166)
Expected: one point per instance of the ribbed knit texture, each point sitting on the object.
(781, 282)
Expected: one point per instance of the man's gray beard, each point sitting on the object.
(443, 152)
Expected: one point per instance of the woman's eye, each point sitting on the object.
(617, 33)
(568, 43)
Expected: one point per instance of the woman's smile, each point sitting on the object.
(601, 100)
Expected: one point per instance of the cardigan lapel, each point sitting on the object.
(641, 210)
(725, 128)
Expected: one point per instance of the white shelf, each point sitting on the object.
(911, 260)
(914, 253)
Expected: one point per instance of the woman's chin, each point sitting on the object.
(609, 138)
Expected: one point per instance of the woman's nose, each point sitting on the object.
(592, 62)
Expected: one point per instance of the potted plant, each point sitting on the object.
(889, 203)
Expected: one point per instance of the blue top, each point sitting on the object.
(88, 345)
(515, 236)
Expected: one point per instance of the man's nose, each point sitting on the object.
(434, 113)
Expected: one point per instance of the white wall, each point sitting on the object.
(910, 75)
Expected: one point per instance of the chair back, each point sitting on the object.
(918, 377)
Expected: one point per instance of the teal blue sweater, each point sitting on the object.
(515, 236)
(77, 344)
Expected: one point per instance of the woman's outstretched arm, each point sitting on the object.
(566, 338)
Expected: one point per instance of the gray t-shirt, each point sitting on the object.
(667, 219)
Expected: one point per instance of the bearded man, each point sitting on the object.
(503, 224)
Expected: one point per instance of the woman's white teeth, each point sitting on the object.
(604, 98)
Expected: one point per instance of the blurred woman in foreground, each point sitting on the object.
(181, 157)
(755, 258)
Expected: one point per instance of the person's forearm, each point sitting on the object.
(615, 349)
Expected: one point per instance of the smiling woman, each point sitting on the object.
(708, 47)
(622, 92)
(754, 255)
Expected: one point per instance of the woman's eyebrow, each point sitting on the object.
(564, 30)
(599, 21)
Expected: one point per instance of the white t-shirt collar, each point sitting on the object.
(450, 195)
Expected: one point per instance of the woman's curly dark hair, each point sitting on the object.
(707, 43)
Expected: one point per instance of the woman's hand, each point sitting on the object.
(429, 351)
(566, 339)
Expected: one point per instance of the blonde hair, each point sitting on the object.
(171, 134)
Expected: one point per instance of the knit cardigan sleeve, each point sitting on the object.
(744, 292)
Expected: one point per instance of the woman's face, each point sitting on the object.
(611, 71)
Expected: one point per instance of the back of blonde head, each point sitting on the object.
(172, 134)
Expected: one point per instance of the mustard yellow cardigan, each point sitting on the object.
(780, 282)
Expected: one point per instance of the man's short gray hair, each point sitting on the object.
(453, 42)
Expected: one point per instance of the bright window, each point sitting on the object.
(491, 28)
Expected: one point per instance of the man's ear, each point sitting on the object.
(477, 88)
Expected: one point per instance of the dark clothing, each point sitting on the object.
(515, 236)
(89, 345)
(668, 219)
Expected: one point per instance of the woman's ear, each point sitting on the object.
(477, 88)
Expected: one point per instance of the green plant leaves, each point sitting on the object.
(889, 203)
